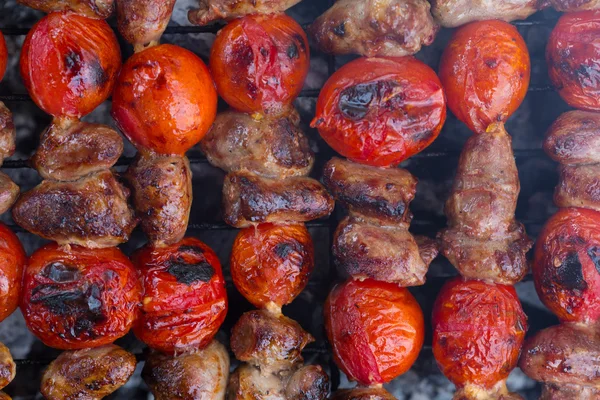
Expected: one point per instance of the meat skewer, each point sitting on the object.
(214, 10)
(98, 9)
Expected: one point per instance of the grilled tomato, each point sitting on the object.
(380, 111)
(69, 63)
(478, 330)
(573, 56)
(485, 71)
(184, 299)
(260, 62)
(74, 298)
(566, 267)
(376, 329)
(12, 263)
(164, 100)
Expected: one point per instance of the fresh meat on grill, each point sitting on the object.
(214, 10)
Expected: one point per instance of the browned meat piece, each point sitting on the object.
(201, 375)
(308, 383)
(247, 383)
(214, 10)
(575, 5)
(567, 357)
(87, 374)
(452, 13)
(386, 253)
(142, 22)
(483, 240)
(91, 212)
(9, 192)
(162, 195)
(272, 342)
(8, 134)
(249, 199)
(474, 392)
(574, 138)
(552, 391)
(363, 393)
(101, 9)
(4, 396)
(68, 152)
(375, 27)
(271, 147)
(428, 248)
(8, 369)
(579, 186)
(371, 191)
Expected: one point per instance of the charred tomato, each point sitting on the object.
(380, 111)
(478, 330)
(3, 56)
(164, 100)
(573, 56)
(376, 329)
(74, 298)
(485, 71)
(184, 299)
(12, 264)
(271, 264)
(69, 63)
(259, 63)
(566, 267)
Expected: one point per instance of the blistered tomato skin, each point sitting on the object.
(184, 298)
(69, 63)
(3, 56)
(573, 56)
(260, 62)
(77, 298)
(566, 267)
(376, 329)
(164, 100)
(272, 263)
(12, 264)
(380, 111)
(485, 70)
(478, 330)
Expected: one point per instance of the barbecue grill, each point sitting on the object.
(434, 168)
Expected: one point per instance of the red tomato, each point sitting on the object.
(184, 298)
(78, 297)
(573, 56)
(478, 330)
(260, 62)
(376, 329)
(12, 264)
(69, 63)
(485, 71)
(272, 263)
(566, 266)
(380, 111)
(165, 99)
(3, 56)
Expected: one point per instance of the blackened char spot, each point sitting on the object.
(60, 273)
(283, 250)
(188, 273)
(292, 51)
(355, 101)
(594, 253)
(569, 274)
(97, 75)
(190, 249)
(73, 61)
(340, 30)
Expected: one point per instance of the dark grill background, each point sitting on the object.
(434, 167)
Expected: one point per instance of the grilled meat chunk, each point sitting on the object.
(363, 393)
(91, 212)
(99, 9)
(8, 368)
(200, 375)
(8, 134)
(249, 199)
(210, 11)
(475, 392)
(308, 383)
(248, 383)
(271, 147)
(579, 186)
(574, 138)
(88, 373)
(70, 151)
(483, 240)
(375, 27)
(575, 5)
(453, 13)
(143, 22)
(9, 192)
(162, 195)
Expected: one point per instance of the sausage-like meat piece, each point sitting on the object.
(87, 374)
(210, 11)
(100, 9)
(200, 375)
(162, 195)
(8, 368)
(249, 199)
(9, 192)
(575, 5)
(363, 393)
(66, 153)
(271, 147)
(308, 383)
(91, 212)
(375, 27)
(579, 186)
(248, 383)
(453, 13)
(574, 138)
(8, 134)
(483, 240)
(143, 22)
